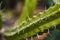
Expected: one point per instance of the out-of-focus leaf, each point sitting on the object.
(49, 3)
(54, 35)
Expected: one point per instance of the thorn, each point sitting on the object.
(23, 30)
(2, 30)
(40, 13)
(40, 21)
(23, 27)
(34, 16)
(48, 31)
(50, 6)
(31, 38)
(0, 4)
(46, 17)
(33, 24)
(38, 36)
(26, 38)
(54, 26)
(29, 24)
(29, 18)
(24, 21)
(52, 14)
(18, 30)
(59, 8)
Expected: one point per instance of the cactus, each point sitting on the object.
(26, 28)
(38, 23)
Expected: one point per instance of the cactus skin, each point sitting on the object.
(53, 18)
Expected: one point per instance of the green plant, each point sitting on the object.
(28, 25)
